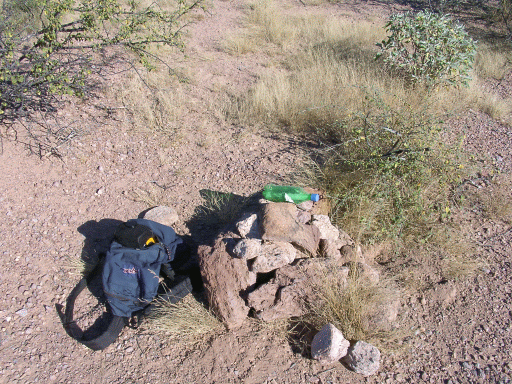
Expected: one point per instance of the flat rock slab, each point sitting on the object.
(163, 215)
(279, 223)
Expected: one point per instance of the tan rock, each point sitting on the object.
(163, 215)
(263, 297)
(279, 223)
(327, 230)
(272, 256)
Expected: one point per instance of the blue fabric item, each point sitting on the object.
(131, 276)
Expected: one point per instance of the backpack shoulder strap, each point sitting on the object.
(100, 342)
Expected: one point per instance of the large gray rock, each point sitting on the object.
(163, 215)
(247, 249)
(363, 358)
(279, 223)
(329, 345)
(225, 278)
(273, 256)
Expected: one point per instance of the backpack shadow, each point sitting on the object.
(97, 238)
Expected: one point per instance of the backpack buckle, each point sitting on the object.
(135, 320)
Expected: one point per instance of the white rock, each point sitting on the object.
(22, 312)
(327, 230)
(274, 255)
(248, 226)
(329, 345)
(363, 358)
(247, 249)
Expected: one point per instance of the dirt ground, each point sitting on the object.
(459, 332)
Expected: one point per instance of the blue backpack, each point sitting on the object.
(130, 277)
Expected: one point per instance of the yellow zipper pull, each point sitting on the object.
(151, 241)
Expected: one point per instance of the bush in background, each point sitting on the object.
(429, 48)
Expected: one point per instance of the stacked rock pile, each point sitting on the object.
(269, 262)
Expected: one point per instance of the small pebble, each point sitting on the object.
(22, 312)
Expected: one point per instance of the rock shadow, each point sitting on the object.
(217, 214)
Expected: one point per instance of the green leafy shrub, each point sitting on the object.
(389, 170)
(429, 48)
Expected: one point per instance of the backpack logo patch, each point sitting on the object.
(130, 271)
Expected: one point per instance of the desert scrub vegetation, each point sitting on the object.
(382, 155)
(49, 48)
(355, 304)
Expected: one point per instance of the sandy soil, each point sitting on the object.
(459, 331)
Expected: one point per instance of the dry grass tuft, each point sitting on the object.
(187, 321)
(78, 266)
(354, 304)
(329, 63)
(456, 268)
(459, 258)
(220, 208)
(280, 328)
(494, 200)
(493, 61)
(151, 197)
(153, 100)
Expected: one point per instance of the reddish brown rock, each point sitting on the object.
(225, 278)
(290, 302)
(263, 297)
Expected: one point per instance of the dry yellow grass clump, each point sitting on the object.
(357, 305)
(187, 321)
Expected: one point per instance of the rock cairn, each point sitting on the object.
(268, 263)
